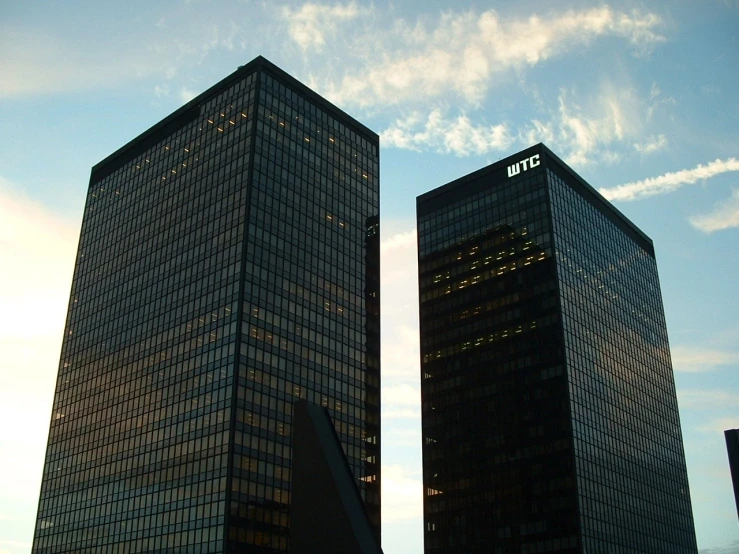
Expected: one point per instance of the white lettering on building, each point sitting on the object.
(523, 165)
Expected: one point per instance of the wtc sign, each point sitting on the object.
(523, 165)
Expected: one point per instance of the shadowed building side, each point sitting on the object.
(327, 511)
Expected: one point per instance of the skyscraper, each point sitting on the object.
(228, 265)
(550, 421)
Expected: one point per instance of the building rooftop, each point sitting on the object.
(433, 199)
(191, 111)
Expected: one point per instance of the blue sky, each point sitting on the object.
(641, 98)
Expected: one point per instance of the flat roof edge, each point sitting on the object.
(600, 201)
(258, 63)
(459, 181)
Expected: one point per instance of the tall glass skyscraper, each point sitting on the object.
(550, 421)
(228, 265)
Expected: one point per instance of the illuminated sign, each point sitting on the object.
(523, 165)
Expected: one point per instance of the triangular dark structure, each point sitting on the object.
(327, 511)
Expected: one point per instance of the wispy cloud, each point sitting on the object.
(186, 95)
(651, 145)
(461, 54)
(309, 24)
(589, 129)
(585, 131)
(456, 135)
(724, 215)
(716, 427)
(539, 131)
(669, 182)
(657, 100)
(161, 91)
(693, 359)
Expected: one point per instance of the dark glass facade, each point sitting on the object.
(228, 265)
(732, 449)
(550, 419)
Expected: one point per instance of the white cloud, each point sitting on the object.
(462, 54)
(402, 494)
(309, 24)
(401, 413)
(402, 241)
(400, 341)
(401, 395)
(669, 182)
(459, 136)
(725, 215)
(399, 265)
(691, 359)
(651, 145)
(37, 249)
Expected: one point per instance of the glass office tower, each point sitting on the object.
(228, 265)
(550, 421)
